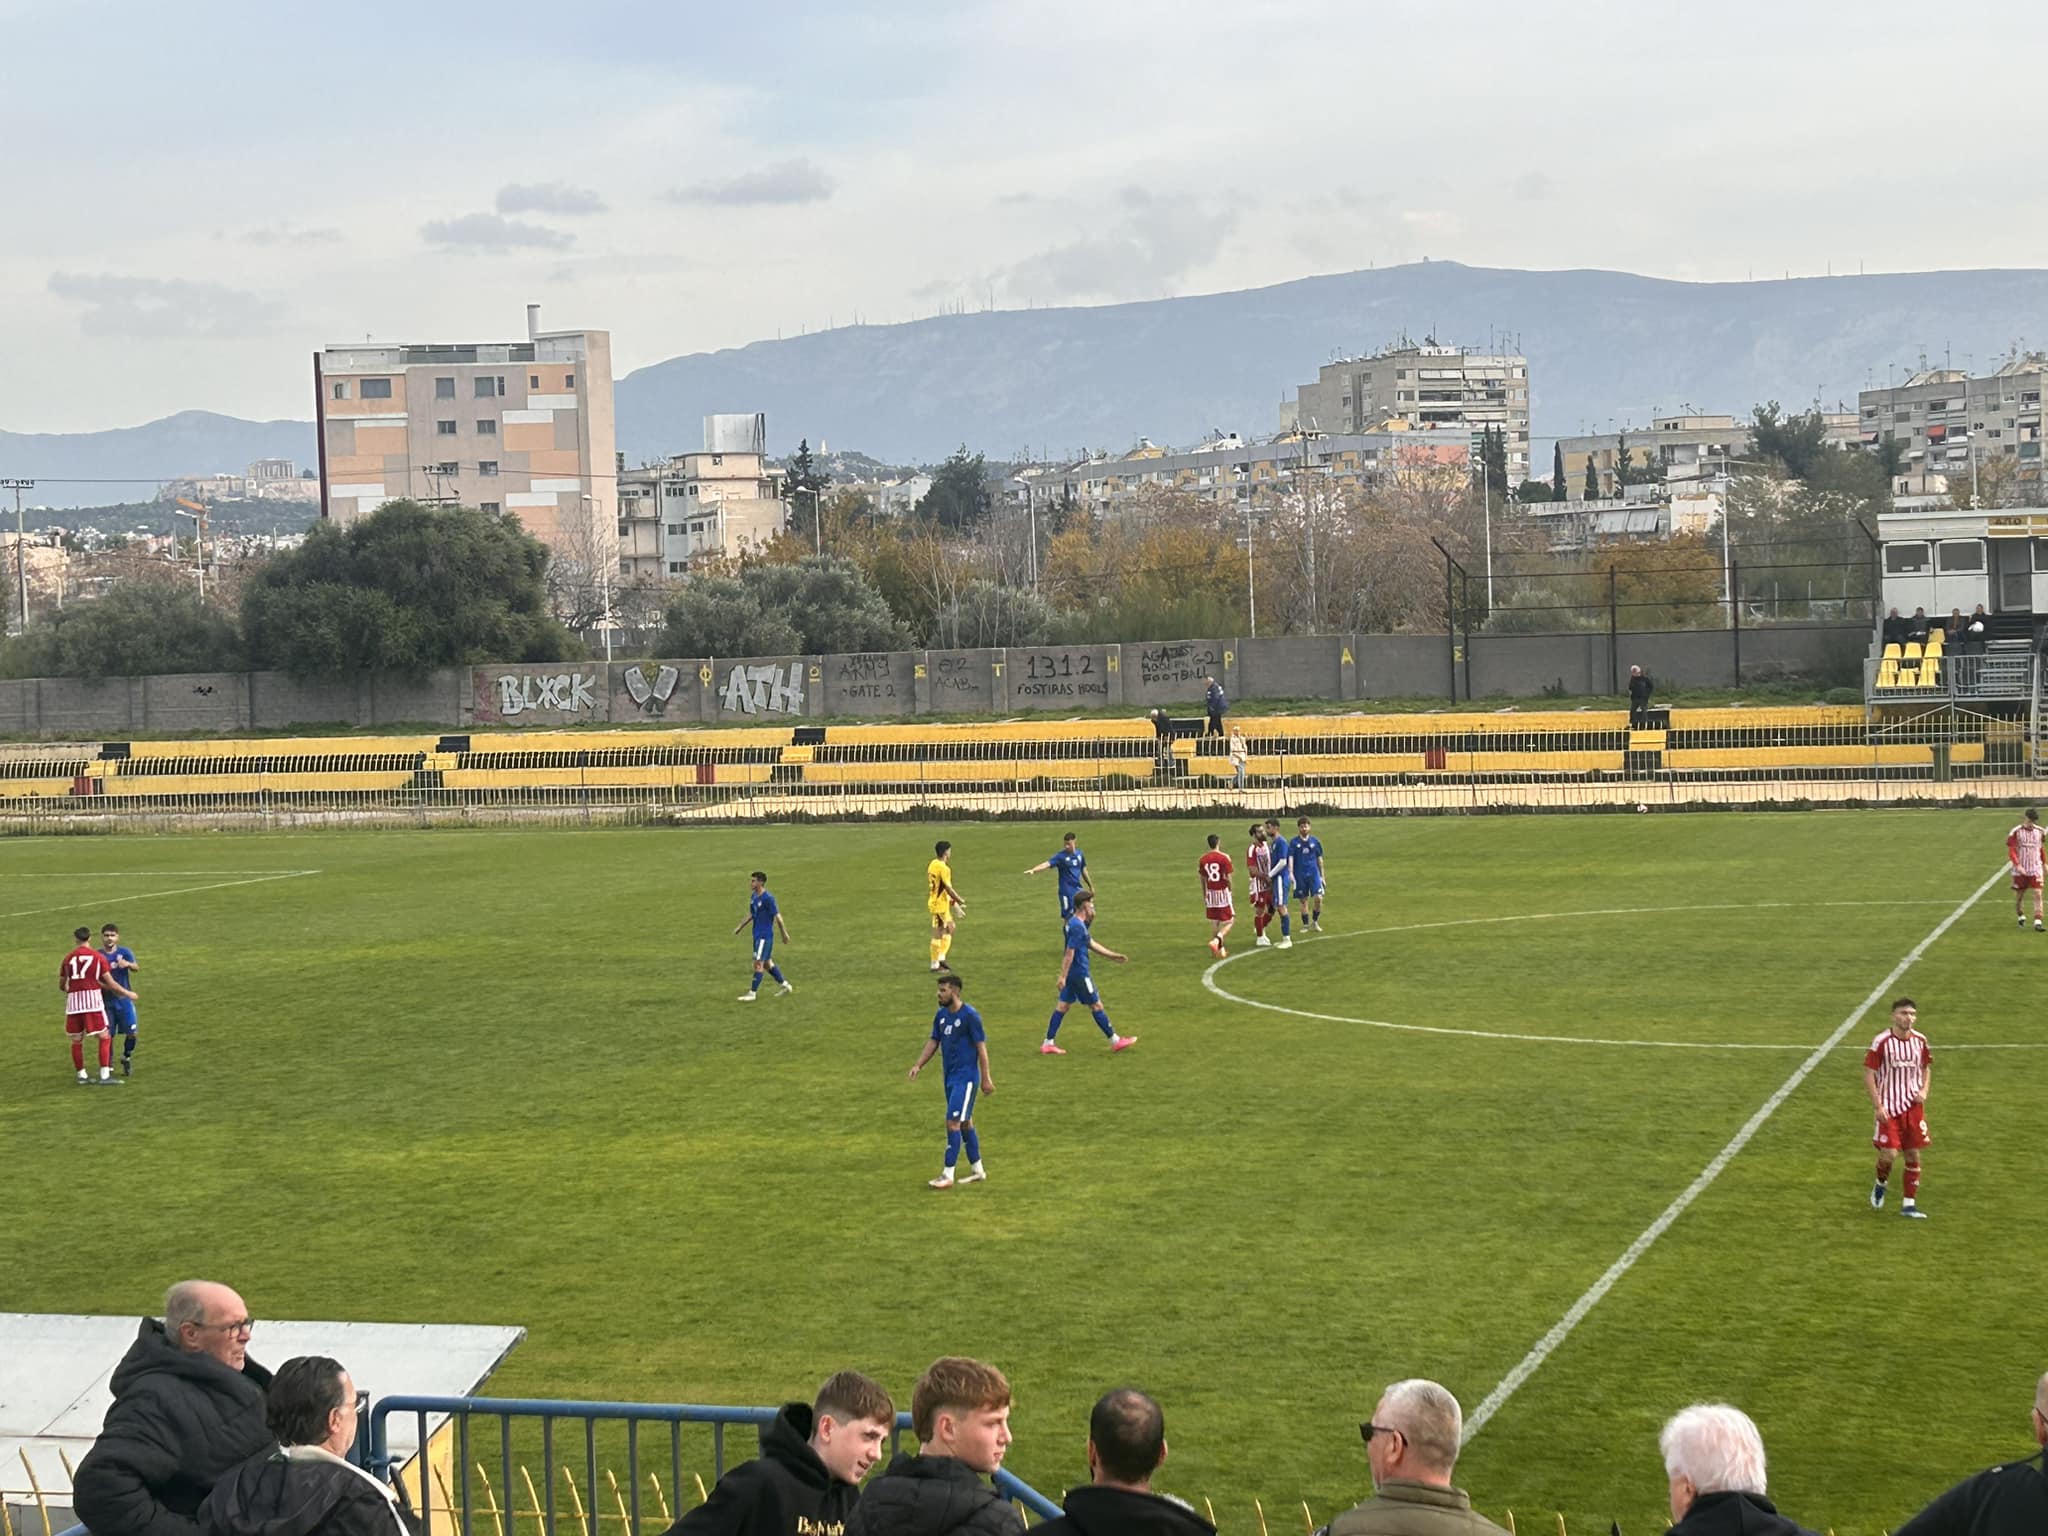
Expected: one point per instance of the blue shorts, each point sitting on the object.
(1081, 989)
(961, 1093)
(1309, 883)
(1067, 901)
(1280, 884)
(764, 947)
(120, 1015)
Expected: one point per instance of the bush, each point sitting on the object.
(138, 628)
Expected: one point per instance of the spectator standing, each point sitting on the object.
(188, 1406)
(1639, 686)
(960, 1413)
(1714, 1462)
(304, 1485)
(1240, 754)
(1411, 1444)
(1126, 1446)
(1216, 703)
(807, 1478)
(2006, 1500)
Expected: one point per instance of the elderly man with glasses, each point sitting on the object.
(1411, 1444)
(188, 1405)
(305, 1485)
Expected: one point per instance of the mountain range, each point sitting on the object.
(1602, 347)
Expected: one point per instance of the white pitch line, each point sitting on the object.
(183, 890)
(137, 874)
(1545, 1346)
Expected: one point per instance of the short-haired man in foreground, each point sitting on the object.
(1126, 1445)
(305, 1485)
(2006, 1500)
(1411, 1444)
(1714, 1462)
(808, 1476)
(960, 1413)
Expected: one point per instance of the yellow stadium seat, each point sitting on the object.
(1930, 669)
(1912, 652)
(1888, 671)
(1891, 651)
(1936, 639)
(1909, 677)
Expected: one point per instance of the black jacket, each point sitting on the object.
(178, 1422)
(932, 1496)
(1092, 1511)
(1735, 1514)
(301, 1492)
(786, 1492)
(1639, 692)
(1213, 697)
(2011, 1500)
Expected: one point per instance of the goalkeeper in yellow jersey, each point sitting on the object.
(942, 901)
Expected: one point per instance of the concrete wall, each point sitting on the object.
(768, 690)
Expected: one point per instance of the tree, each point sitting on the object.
(408, 588)
(1557, 486)
(959, 497)
(1591, 489)
(140, 627)
(719, 616)
(1795, 441)
(803, 487)
(1493, 455)
(807, 607)
(1532, 491)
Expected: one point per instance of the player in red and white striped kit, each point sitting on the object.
(1216, 902)
(2023, 847)
(1258, 877)
(1896, 1069)
(84, 977)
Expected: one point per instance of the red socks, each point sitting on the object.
(1912, 1182)
(77, 1054)
(106, 1050)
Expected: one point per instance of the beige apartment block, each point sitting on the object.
(698, 508)
(1687, 447)
(1944, 421)
(1426, 388)
(521, 427)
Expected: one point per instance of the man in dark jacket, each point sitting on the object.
(188, 1405)
(304, 1485)
(1126, 1445)
(1639, 686)
(1213, 699)
(807, 1478)
(960, 1413)
(2008, 1500)
(1714, 1461)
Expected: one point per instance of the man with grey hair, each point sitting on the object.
(2007, 1500)
(188, 1405)
(1714, 1462)
(1411, 1444)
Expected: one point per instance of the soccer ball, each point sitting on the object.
(1642, 810)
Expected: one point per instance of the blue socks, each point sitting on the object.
(1052, 1029)
(776, 972)
(1283, 925)
(755, 985)
(952, 1149)
(1102, 1023)
(972, 1142)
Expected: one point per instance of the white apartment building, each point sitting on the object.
(694, 508)
(1426, 388)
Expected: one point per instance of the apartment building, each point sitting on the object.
(1426, 388)
(1237, 473)
(1943, 419)
(520, 427)
(695, 508)
(1686, 447)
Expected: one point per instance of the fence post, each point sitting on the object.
(1450, 627)
(1735, 615)
(1613, 637)
(1465, 582)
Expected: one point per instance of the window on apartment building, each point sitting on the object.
(691, 490)
(376, 389)
(488, 506)
(677, 567)
(444, 389)
(487, 427)
(341, 390)
(487, 468)
(568, 381)
(533, 381)
(623, 530)
(675, 530)
(487, 389)
(448, 468)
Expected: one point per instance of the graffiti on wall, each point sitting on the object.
(525, 693)
(764, 688)
(1187, 661)
(1061, 675)
(863, 675)
(651, 697)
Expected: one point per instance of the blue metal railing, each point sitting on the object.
(581, 1420)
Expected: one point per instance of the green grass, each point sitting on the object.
(499, 1076)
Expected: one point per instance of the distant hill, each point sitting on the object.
(1601, 345)
(189, 443)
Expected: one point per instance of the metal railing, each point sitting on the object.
(621, 1485)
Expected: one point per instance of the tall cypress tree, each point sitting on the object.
(1591, 490)
(1557, 472)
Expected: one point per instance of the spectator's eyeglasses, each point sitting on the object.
(241, 1325)
(1368, 1429)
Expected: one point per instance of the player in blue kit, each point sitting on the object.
(1306, 856)
(1072, 865)
(766, 917)
(1280, 855)
(1077, 986)
(957, 1039)
(120, 1006)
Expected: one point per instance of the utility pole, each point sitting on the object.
(20, 546)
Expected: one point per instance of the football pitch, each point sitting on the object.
(501, 1076)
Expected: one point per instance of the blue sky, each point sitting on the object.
(197, 197)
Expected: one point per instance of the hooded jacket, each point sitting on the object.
(180, 1420)
(1093, 1511)
(785, 1492)
(1735, 1514)
(933, 1496)
(301, 1490)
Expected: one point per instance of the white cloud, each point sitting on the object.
(493, 232)
(788, 181)
(548, 197)
(1153, 243)
(157, 307)
(287, 234)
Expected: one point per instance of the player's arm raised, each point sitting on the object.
(1039, 869)
(1107, 954)
(930, 1049)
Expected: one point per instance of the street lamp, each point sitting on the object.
(198, 516)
